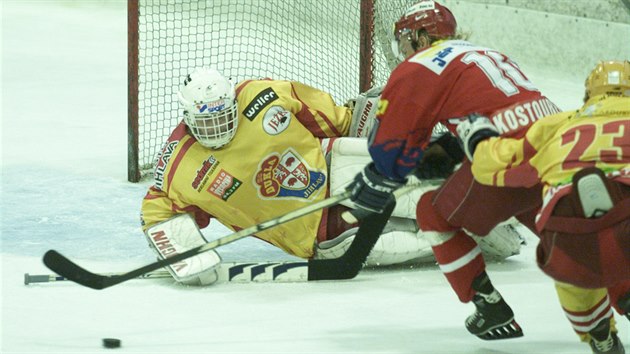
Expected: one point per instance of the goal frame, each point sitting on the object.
(134, 172)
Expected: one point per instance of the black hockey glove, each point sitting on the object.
(473, 130)
(371, 190)
(440, 158)
(451, 146)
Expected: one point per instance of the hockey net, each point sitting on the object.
(339, 46)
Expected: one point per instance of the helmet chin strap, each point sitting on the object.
(416, 38)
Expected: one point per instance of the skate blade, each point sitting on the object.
(506, 331)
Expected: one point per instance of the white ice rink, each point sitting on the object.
(64, 187)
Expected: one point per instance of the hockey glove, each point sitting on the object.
(371, 190)
(473, 130)
(440, 158)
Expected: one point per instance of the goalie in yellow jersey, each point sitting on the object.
(247, 153)
(583, 160)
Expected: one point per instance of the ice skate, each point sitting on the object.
(493, 318)
(604, 341)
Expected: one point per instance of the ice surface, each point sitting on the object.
(64, 187)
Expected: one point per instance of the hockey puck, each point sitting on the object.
(111, 343)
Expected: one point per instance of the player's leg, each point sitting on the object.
(461, 261)
(461, 203)
(591, 316)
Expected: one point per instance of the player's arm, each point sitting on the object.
(157, 207)
(319, 113)
(396, 143)
(504, 161)
(172, 229)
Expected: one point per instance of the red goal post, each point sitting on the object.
(339, 46)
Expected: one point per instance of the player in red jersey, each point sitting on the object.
(441, 80)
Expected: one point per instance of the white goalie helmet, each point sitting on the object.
(210, 110)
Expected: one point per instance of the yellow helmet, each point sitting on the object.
(609, 77)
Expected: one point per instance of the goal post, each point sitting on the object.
(338, 46)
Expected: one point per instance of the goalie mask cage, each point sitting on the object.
(339, 46)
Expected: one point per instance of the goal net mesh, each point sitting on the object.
(314, 42)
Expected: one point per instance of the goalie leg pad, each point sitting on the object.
(337, 247)
(179, 234)
(399, 243)
(502, 242)
(396, 247)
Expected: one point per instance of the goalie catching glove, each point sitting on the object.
(473, 130)
(364, 109)
(371, 190)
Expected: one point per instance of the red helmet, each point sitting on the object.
(430, 16)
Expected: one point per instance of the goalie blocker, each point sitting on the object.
(177, 235)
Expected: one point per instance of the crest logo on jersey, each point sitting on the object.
(224, 185)
(289, 176)
(207, 167)
(162, 162)
(262, 100)
(276, 120)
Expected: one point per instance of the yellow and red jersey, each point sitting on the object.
(274, 165)
(555, 148)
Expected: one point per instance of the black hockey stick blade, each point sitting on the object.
(348, 266)
(61, 265)
(70, 270)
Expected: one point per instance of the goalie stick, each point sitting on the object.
(344, 267)
(53, 278)
(233, 272)
(63, 266)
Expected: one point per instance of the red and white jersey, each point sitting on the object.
(442, 84)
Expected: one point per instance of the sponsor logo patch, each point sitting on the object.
(224, 185)
(204, 172)
(262, 100)
(210, 107)
(276, 120)
(288, 176)
(162, 162)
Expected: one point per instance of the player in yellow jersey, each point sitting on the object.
(247, 153)
(583, 160)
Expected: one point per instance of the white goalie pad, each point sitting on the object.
(177, 235)
(502, 242)
(399, 243)
(364, 109)
(349, 156)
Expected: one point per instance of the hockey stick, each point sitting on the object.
(54, 278)
(233, 272)
(349, 265)
(61, 265)
(344, 267)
